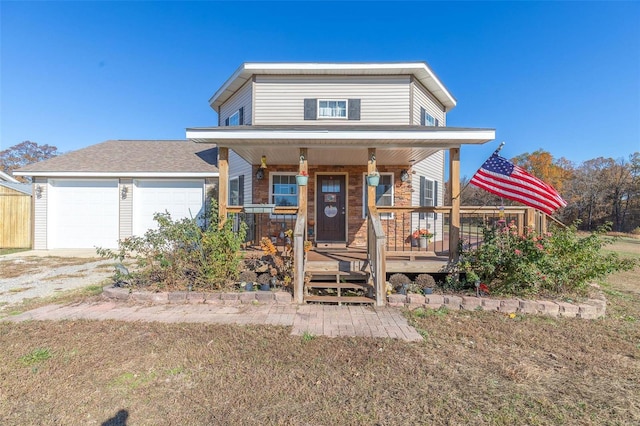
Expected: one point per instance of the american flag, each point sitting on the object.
(499, 176)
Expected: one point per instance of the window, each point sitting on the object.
(384, 194)
(428, 195)
(332, 109)
(235, 119)
(284, 190)
(427, 120)
(236, 191)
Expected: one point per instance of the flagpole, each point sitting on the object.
(499, 148)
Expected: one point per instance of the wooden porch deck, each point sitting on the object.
(353, 259)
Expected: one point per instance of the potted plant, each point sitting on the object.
(247, 279)
(373, 178)
(426, 283)
(264, 280)
(400, 283)
(303, 178)
(423, 236)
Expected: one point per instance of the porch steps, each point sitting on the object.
(339, 287)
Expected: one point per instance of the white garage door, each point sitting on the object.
(82, 213)
(181, 198)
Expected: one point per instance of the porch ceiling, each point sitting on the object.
(340, 145)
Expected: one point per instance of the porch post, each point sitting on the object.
(300, 233)
(454, 201)
(302, 190)
(223, 183)
(371, 167)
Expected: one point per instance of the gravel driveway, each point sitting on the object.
(33, 274)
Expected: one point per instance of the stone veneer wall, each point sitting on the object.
(356, 224)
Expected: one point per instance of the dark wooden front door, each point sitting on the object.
(331, 211)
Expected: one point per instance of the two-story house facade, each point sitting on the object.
(339, 123)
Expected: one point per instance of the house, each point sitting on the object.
(97, 195)
(337, 123)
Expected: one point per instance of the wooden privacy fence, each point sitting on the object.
(15, 219)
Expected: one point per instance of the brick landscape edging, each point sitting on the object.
(589, 309)
(195, 297)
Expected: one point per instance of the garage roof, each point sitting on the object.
(132, 158)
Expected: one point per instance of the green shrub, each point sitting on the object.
(559, 262)
(183, 253)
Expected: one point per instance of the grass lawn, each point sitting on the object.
(4, 251)
(472, 368)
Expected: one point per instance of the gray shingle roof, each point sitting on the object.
(136, 156)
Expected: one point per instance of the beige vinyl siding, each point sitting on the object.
(242, 98)
(431, 168)
(423, 99)
(240, 167)
(126, 209)
(40, 214)
(280, 99)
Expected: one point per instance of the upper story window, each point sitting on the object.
(341, 109)
(332, 109)
(235, 119)
(427, 119)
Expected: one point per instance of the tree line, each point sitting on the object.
(596, 191)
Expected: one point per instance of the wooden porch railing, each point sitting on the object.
(376, 255)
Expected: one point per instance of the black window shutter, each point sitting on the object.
(241, 190)
(423, 112)
(423, 183)
(310, 109)
(435, 196)
(226, 121)
(437, 122)
(353, 109)
(241, 116)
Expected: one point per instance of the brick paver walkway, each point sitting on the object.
(332, 321)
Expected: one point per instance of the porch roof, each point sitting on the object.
(339, 145)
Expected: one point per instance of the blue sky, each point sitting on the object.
(560, 76)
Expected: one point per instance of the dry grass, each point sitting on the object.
(13, 268)
(472, 368)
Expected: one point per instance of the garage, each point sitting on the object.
(82, 213)
(181, 198)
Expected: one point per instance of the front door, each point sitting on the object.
(331, 215)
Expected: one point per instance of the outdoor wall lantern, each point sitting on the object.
(123, 192)
(38, 191)
(263, 165)
(404, 175)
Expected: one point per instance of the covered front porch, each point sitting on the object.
(337, 211)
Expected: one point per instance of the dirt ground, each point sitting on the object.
(478, 368)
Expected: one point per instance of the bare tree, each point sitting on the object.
(25, 153)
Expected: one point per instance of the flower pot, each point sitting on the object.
(427, 290)
(403, 289)
(248, 287)
(264, 287)
(302, 180)
(423, 242)
(373, 180)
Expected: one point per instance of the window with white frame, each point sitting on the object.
(234, 119)
(332, 109)
(283, 190)
(428, 195)
(384, 194)
(427, 119)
